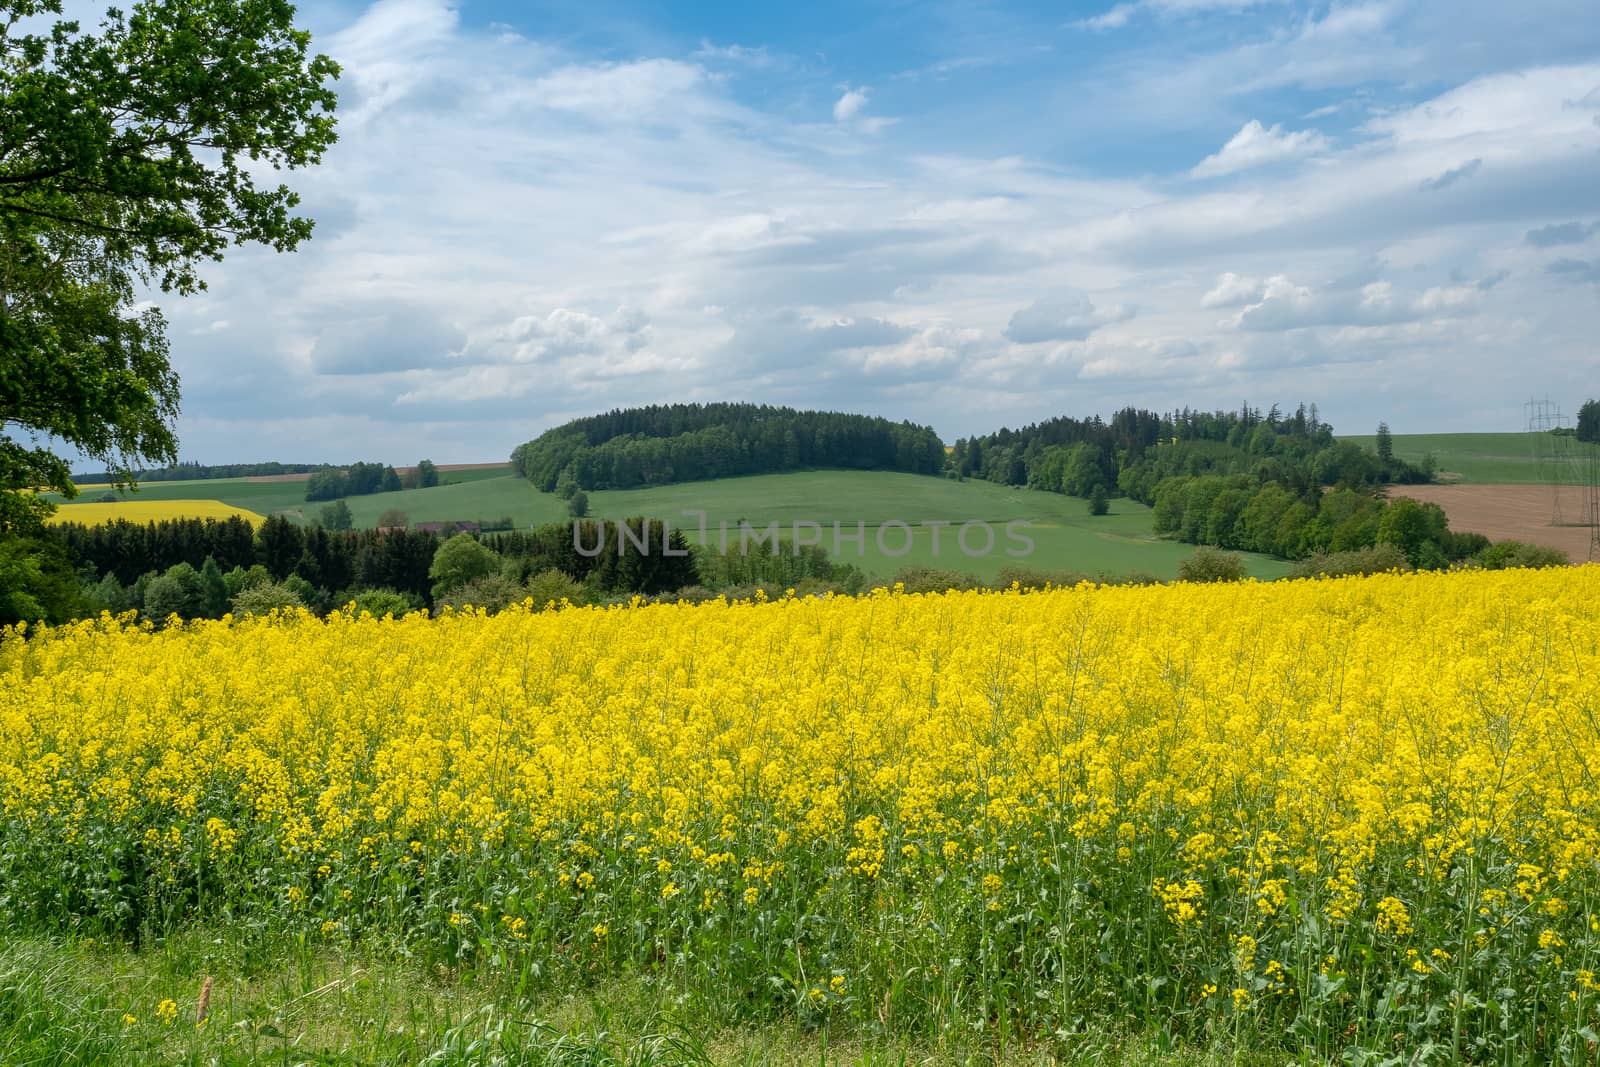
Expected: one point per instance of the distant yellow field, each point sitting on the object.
(151, 511)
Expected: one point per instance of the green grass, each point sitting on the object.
(1065, 537)
(287, 498)
(261, 497)
(483, 498)
(1476, 458)
(71, 1003)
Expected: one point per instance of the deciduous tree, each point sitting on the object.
(129, 155)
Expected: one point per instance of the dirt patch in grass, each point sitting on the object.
(1520, 512)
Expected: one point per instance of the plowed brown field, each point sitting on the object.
(1520, 512)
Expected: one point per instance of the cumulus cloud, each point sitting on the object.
(1064, 316)
(652, 226)
(1232, 290)
(565, 332)
(1285, 305)
(1256, 145)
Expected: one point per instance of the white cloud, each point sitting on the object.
(1064, 316)
(1538, 101)
(851, 104)
(1285, 305)
(1256, 145)
(1114, 19)
(576, 234)
(617, 91)
(388, 51)
(1232, 290)
(1120, 15)
(564, 332)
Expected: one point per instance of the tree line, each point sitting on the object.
(185, 472)
(1251, 480)
(201, 568)
(364, 479)
(660, 444)
(1133, 452)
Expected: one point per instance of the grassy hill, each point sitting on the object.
(1064, 535)
(1471, 458)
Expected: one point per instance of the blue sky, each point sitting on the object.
(970, 215)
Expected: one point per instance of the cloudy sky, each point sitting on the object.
(965, 214)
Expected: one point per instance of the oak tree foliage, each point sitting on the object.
(132, 152)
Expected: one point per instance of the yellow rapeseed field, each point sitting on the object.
(96, 514)
(1352, 814)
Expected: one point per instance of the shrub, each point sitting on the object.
(1099, 502)
(381, 602)
(1211, 565)
(553, 586)
(493, 592)
(238, 580)
(459, 561)
(1374, 559)
(264, 599)
(933, 580)
(1029, 578)
(1503, 554)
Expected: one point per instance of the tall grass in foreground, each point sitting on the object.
(1351, 819)
(86, 1004)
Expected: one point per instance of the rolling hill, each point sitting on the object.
(1064, 535)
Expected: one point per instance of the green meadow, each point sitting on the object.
(1478, 458)
(1063, 535)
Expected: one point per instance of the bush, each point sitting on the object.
(459, 561)
(689, 594)
(933, 580)
(381, 602)
(264, 599)
(238, 580)
(1028, 578)
(1374, 559)
(1503, 554)
(108, 594)
(493, 592)
(177, 592)
(1458, 546)
(553, 586)
(336, 516)
(1099, 502)
(1211, 565)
